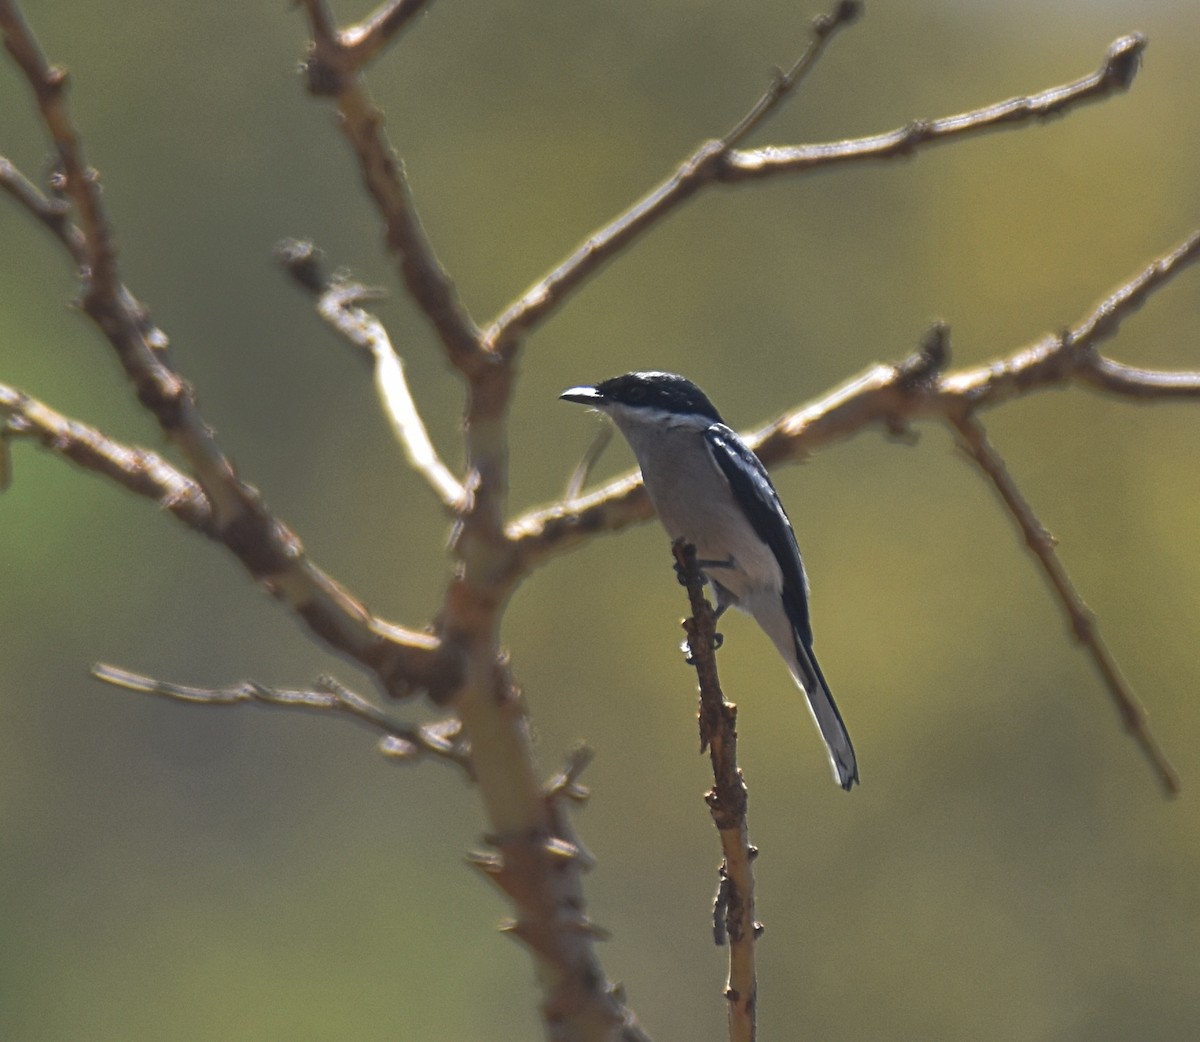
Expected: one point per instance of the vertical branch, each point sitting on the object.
(98, 265)
(333, 69)
(973, 440)
(733, 911)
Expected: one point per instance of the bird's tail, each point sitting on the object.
(825, 712)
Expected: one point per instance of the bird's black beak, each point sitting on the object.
(583, 395)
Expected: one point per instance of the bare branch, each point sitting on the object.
(364, 41)
(401, 741)
(733, 914)
(51, 212)
(1115, 75)
(821, 32)
(974, 442)
(1148, 384)
(139, 345)
(889, 396)
(79, 182)
(337, 304)
(332, 71)
(139, 470)
(404, 660)
(702, 167)
(716, 161)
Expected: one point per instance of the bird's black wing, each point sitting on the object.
(756, 495)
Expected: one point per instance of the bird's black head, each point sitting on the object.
(652, 391)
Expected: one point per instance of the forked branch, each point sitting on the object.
(891, 397)
(333, 69)
(404, 660)
(719, 162)
(1116, 74)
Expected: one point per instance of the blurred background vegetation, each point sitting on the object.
(1008, 869)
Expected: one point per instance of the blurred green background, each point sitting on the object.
(1008, 869)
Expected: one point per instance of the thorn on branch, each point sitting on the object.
(304, 262)
(566, 784)
(926, 364)
(721, 908)
(845, 13)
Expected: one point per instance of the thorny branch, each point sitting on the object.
(733, 911)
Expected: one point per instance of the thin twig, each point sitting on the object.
(821, 32)
(974, 442)
(733, 915)
(337, 304)
(715, 162)
(367, 38)
(332, 73)
(337, 307)
(702, 167)
(1115, 75)
(442, 739)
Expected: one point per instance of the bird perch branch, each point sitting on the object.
(733, 911)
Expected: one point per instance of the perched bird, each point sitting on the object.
(709, 488)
